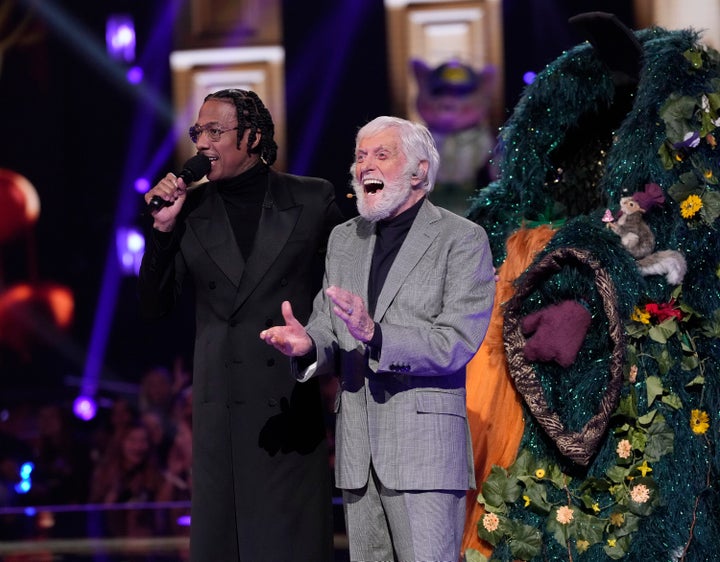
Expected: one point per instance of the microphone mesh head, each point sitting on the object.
(197, 166)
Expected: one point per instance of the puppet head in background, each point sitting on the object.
(454, 100)
(29, 310)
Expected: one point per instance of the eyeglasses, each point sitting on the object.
(213, 131)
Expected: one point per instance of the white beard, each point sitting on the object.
(383, 203)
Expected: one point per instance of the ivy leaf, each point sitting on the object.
(697, 381)
(648, 418)
(557, 477)
(654, 388)
(673, 400)
(688, 184)
(617, 474)
(636, 330)
(630, 525)
(664, 361)
(689, 363)
(713, 101)
(523, 465)
(525, 541)
(588, 527)
(594, 485)
(472, 555)
(666, 156)
(620, 548)
(677, 112)
(498, 489)
(663, 331)
(538, 497)
(660, 440)
(638, 440)
(711, 206)
(627, 406)
(694, 57)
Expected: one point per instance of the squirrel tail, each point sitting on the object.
(669, 263)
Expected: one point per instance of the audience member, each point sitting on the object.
(129, 474)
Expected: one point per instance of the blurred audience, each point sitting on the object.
(129, 474)
(137, 451)
(61, 459)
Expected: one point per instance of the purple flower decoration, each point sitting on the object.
(691, 140)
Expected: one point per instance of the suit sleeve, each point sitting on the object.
(161, 273)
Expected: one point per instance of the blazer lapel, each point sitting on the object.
(279, 216)
(212, 228)
(423, 231)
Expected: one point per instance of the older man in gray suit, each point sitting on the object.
(405, 304)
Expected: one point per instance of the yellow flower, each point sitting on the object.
(708, 174)
(690, 206)
(644, 468)
(527, 500)
(640, 316)
(596, 507)
(564, 515)
(617, 519)
(612, 542)
(491, 522)
(711, 140)
(699, 421)
(582, 545)
(540, 473)
(678, 157)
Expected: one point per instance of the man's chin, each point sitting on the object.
(371, 213)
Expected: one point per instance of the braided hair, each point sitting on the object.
(251, 114)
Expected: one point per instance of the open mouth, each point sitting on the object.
(372, 185)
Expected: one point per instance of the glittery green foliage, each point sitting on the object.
(571, 151)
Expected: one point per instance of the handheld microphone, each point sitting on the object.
(194, 169)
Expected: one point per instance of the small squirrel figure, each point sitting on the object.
(632, 229)
(639, 240)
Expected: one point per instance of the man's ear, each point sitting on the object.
(258, 138)
(419, 177)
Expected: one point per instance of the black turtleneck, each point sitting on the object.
(390, 235)
(243, 196)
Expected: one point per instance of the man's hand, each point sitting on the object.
(351, 309)
(173, 189)
(291, 339)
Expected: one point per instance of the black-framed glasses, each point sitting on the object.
(213, 131)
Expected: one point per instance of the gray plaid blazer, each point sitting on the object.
(403, 407)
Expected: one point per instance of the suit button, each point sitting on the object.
(269, 323)
(212, 285)
(283, 282)
(270, 362)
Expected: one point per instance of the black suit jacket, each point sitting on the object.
(261, 488)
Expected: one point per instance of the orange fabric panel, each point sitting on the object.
(494, 407)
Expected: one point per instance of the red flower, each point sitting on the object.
(663, 311)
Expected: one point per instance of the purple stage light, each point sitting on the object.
(183, 521)
(120, 37)
(84, 408)
(135, 75)
(130, 248)
(529, 77)
(142, 185)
